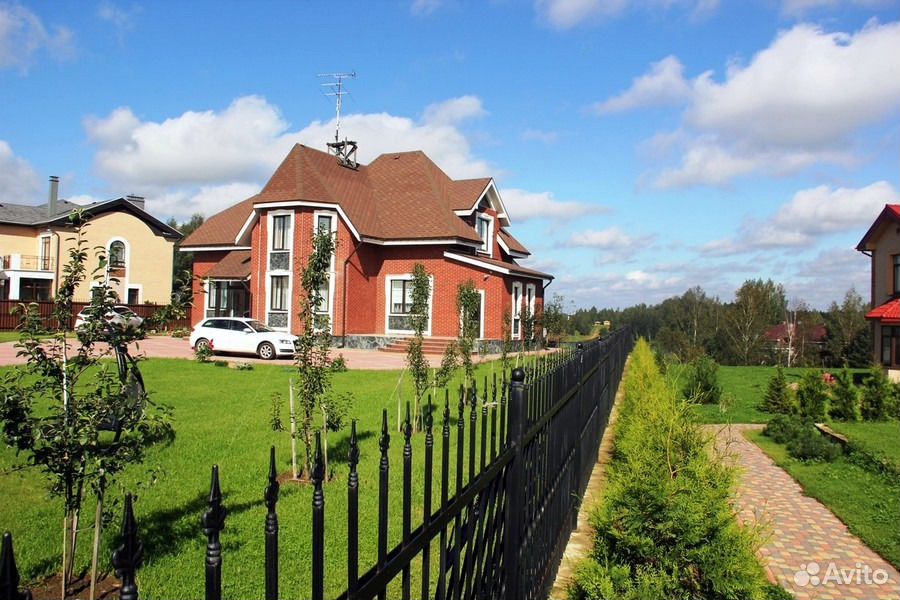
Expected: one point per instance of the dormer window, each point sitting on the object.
(484, 225)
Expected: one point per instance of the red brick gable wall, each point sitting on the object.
(203, 262)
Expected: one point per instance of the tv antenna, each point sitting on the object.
(344, 150)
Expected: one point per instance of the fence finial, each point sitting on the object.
(130, 554)
(318, 524)
(271, 529)
(518, 375)
(213, 522)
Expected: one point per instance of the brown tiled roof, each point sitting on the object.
(512, 243)
(235, 265)
(221, 228)
(464, 193)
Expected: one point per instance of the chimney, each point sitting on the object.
(53, 197)
(136, 200)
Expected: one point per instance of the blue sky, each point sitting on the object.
(642, 147)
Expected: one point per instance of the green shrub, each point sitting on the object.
(666, 528)
(810, 444)
(703, 381)
(878, 396)
(338, 364)
(844, 398)
(778, 398)
(812, 394)
(783, 428)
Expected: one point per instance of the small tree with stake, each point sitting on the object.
(313, 362)
(415, 358)
(468, 301)
(77, 417)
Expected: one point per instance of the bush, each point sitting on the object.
(703, 381)
(844, 398)
(338, 364)
(877, 396)
(783, 428)
(810, 444)
(778, 398)
(666, 528)
(812, 394)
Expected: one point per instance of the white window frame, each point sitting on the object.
(530, 294)
(288, 231)
(332, 274)
(487, 246)
(41, 257)
(270, 220)
(387, 303)
(516, 308)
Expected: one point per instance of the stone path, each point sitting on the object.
(809, 551)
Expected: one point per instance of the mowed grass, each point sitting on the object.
(868, 503)
(880, 440)
(222, 417)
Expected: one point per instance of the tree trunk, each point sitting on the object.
(98, 524)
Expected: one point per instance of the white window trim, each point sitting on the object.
(280, 272)
(490, 234)
(516, 335)
(387, 303)
(529, 287)
(332, 273)
(125, 281)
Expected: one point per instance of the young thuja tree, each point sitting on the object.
(468, 302)
(778, 398)
(506, 346)
(527, 319)
(415, 358)
(78, 417)
(311, 356)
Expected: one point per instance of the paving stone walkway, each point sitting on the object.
(809, 551)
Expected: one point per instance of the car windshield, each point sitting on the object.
(256, 325)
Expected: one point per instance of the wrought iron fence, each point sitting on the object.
(523, 454)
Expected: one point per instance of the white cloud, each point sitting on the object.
(809, 89)
(664, 84)
(524, 205)
(424, 7)
(565, 14)
(119, 18)
(23, 35)
(798, 8)
(454, 110)
(18, 180)
(798, 103)
(809, 215)
(611, 238)
(536, 135)
(207, 200)
(192, 157)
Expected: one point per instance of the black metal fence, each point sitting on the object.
(527, 449)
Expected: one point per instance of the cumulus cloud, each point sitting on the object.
(524, 205)
(18, 180)
(188, 161)
(23, 36)
(810, 214)
(664, 84)
(606, 239)
(798, 8)
(797, 103)
(565, 14)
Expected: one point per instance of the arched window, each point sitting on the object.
(117, 255)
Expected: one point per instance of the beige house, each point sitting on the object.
(882, 244)
(35, 243)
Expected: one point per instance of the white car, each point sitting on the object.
(122, 316)
(244, 336)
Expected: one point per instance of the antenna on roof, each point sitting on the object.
(344, 150)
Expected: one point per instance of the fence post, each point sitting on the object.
(579, 427)
(353, 514)
(515, 493)
(213, 522)
(130, 553)
(318, 523)
(9, 574)
(271, 499)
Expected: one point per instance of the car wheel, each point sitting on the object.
(266, 351)
(201, 344)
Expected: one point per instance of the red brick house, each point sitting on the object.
(398, 210)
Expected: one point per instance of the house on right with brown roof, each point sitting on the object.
(882, 243)
(399, 210)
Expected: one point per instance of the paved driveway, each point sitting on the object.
(169, 347)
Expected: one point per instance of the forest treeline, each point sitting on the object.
(735, 332)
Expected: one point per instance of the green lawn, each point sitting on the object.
(880, 440)
(222, 417)
(867, 502)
